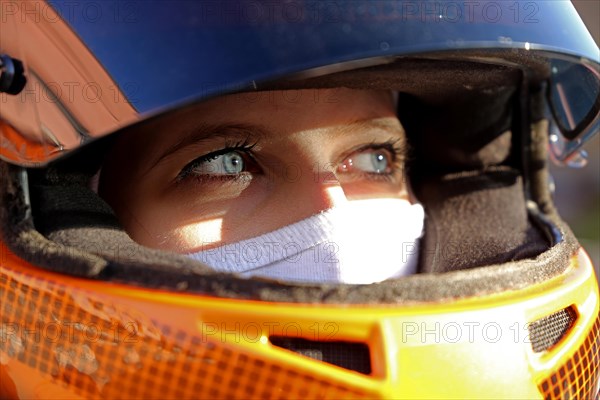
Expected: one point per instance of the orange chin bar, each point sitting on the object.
(64, 337)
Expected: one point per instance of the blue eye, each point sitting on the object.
(373, 161)
(231, 163)
(379, 162)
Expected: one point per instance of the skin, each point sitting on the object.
(310, 150)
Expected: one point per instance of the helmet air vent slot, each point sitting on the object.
(546, 332)
(349, 355)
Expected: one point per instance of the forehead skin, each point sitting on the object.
(307, 127)
(289, 111)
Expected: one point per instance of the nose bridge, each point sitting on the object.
(317, 186)
(309, 172)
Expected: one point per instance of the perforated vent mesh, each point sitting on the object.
(548, 331)
(96, 349)
(353, 356)
(578, 377)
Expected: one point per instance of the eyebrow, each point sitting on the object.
(369, 123)
(205, 132)
(381, 124)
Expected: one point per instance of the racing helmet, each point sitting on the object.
(504, 304)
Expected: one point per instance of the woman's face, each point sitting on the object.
(245, 164)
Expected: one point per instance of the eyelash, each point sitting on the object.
(397, 150)
(394, 147)
(244, 147)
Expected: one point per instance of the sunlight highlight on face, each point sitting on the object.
(202, 234)
(245, 164)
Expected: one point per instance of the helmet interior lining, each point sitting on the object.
(479, 237)
(103, 252)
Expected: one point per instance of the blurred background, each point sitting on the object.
(578, 190)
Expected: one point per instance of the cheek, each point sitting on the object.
(189, 217)
(170, 227)
(194, 237)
